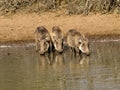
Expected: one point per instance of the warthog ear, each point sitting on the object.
(84, 37)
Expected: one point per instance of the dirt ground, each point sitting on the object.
(21, 27)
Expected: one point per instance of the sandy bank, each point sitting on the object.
(20, 27)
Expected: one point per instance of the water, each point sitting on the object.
(22, 69)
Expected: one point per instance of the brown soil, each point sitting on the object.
(20, 27)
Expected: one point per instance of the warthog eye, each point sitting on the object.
(83, 45)
(79, 42)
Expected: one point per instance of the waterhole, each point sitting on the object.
(21, 68)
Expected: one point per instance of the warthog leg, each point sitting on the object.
(77, 50)
(37, 47)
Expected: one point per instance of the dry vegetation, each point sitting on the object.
(70, 6)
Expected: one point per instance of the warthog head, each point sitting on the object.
(83, 45)
(43, 46)
(59, 45)
(57, 38)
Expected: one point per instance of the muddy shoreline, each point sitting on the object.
(103, 37)
(92, 38)
(20, 27)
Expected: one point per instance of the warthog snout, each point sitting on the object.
(59, 45)
(83, 47)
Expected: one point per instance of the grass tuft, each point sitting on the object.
(71, 6)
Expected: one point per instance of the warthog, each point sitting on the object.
(57, 39)
(77, 41)
(42, 39)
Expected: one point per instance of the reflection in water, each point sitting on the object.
(58, 64)
(23, 69)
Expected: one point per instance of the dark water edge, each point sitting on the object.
(23, 69)
(91, 38)
(106, 37)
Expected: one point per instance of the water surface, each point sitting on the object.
(23, 69)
